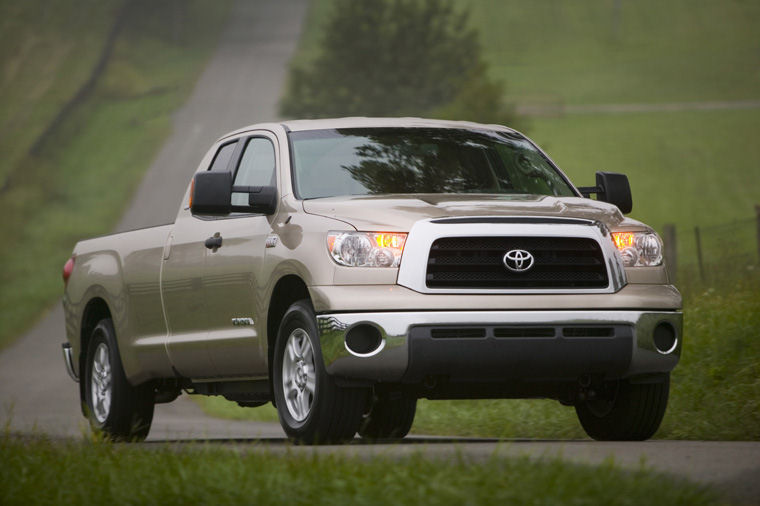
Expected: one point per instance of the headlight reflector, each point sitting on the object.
(638, 249)
(366, 249)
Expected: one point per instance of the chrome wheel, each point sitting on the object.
(299, 379)
(100, 383)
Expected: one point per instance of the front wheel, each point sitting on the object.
(311, 407)
(390, 416)
(118, 410)
(625, 411)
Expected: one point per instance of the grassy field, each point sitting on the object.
(687, 168)
(96, 473)
(80, 181)
(47, 51)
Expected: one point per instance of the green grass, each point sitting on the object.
(47, 50)
(38, 471)
(663, 51)
(688, 168)
(575, 53)
(81, 181)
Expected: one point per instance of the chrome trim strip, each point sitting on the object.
(425, 232)
(68, 359)
(390, 363)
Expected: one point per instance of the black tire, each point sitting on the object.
(390, 416)
(625, 411)
(329, 414)
(128, 413)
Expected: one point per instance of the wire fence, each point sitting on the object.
(715, 252)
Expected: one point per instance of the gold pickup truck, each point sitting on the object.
(342, 269)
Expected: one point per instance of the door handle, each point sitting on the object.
(214, 243)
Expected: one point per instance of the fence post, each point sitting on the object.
(671, 257)
(757, 212)
(699, 253)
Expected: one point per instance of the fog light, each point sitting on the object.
(665, 339)
(364, 340)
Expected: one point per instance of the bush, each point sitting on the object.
(396, 58)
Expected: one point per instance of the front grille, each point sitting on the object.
(477, 262)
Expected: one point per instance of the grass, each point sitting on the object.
(661, 51)
(39, 471)
(81, 181)
(685, 168)
(714, 393)
(47, 50)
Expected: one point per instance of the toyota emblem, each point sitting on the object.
(518, 260)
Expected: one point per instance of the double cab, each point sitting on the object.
(342, 269)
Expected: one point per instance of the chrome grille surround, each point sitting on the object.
(424, 233)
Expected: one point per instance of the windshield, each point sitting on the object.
(370, 161)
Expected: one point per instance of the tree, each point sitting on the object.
(396, 58)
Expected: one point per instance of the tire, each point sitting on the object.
(626, 411)
(389, 417)
(311, 407)
(115, 408)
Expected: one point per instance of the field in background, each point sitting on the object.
(98, 473)
(81, 177)
(686, 167)
(47, 50)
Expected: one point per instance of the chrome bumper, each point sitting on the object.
(389, 362)
(68, 359)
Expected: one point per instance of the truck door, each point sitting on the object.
(232, 273)
(182, 284)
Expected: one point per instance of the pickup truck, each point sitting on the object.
(343, 269)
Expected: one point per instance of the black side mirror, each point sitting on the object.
(261, 199)
(211, 193)
(613, 188)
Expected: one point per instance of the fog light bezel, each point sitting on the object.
(379, 341)
(674, 332)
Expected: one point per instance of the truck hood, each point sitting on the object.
(397, 213)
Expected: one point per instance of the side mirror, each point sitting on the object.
(211, 193)
(612, 188)
(261, 199)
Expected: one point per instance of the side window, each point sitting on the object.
(256, 168)
(222, 158)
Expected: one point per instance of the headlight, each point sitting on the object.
(638, 249)
(366, 249)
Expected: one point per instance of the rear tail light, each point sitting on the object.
(68, 268)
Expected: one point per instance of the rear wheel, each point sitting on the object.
(625, 411)
(390, 416)
(115, 408)
(311, 407)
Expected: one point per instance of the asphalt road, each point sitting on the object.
(241, 86)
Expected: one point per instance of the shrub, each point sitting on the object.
(396, 58)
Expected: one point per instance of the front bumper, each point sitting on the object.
(501, 345)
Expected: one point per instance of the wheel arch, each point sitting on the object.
(289, 289)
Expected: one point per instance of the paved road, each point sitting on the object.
(240, 86)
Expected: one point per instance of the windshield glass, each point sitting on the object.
(370, 161)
